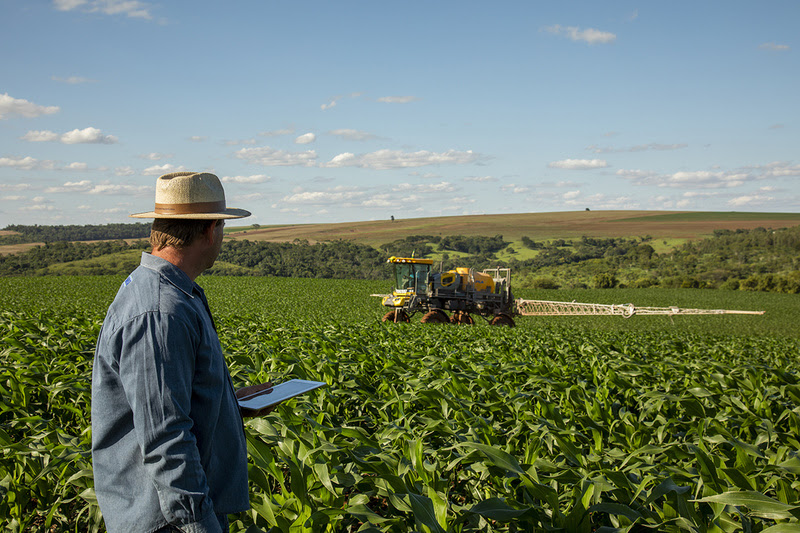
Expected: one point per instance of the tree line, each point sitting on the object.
(88, 232)
(336, 259)
(39, 257)
(759, 259)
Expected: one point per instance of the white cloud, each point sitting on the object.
(124, 171)
(17, 106)
(37, 207)
(462, 200)
(637, 174)
(306, 138)
(336, 195)
(750, 200)
(774, 47)
(271, 157)
(701, 194)
(124, 188)
(589, 35)
(67, 5)
(700, 179)
(480, 179)
(238, 142)
(277, 133)
(14, 198)
(24, 163)
(514, 188)
(15, 186)
(334, 101)
(36, 136)
(426, 175)
(248, 197)
(158, 170)
(706, 179)
(85, 136)
(71, 186)
(778, 169)
(397, 99)
(72, 80)
(638, 148)
(425, 188)
(198, 138)
(300, 212)
(571, 195)
(380, 200)
(39, 203)
(129, 8)
(712, 179)
(389, 159)
(353, 135)
(579, 164)
(603, 201)
(77, 166)
(255, 178)
(155, 156)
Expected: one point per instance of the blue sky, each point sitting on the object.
(324, 111)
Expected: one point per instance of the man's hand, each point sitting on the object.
(253, 390)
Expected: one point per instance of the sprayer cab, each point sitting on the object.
(411, 279)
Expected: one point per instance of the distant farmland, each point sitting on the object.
(682, 225)
(672, 226)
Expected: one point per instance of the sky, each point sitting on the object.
(323, 111)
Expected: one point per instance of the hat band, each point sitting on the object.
(195, 208)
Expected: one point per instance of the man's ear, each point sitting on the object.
(208, 232)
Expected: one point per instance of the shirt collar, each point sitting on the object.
(170, 272)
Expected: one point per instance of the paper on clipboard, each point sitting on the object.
(280, 392)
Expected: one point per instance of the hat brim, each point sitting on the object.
(228, 213)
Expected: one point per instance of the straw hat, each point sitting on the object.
(191, 195)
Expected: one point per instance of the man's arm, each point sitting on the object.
(157, 368)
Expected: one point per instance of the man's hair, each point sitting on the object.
(176, 232)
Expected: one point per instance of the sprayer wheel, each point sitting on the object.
(437, 316)
(461, 317)
(397, 315)
(502, 320)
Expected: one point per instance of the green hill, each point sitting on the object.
(747, 251)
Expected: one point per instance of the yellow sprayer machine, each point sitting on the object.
(464, 292)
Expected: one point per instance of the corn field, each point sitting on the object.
(551, 426)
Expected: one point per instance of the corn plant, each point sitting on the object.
(551, 426)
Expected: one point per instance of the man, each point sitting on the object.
(168, 445)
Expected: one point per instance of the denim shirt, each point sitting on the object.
(168, 445)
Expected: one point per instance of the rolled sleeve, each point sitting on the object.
(209, 524)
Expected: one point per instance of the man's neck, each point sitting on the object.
(182, 258)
